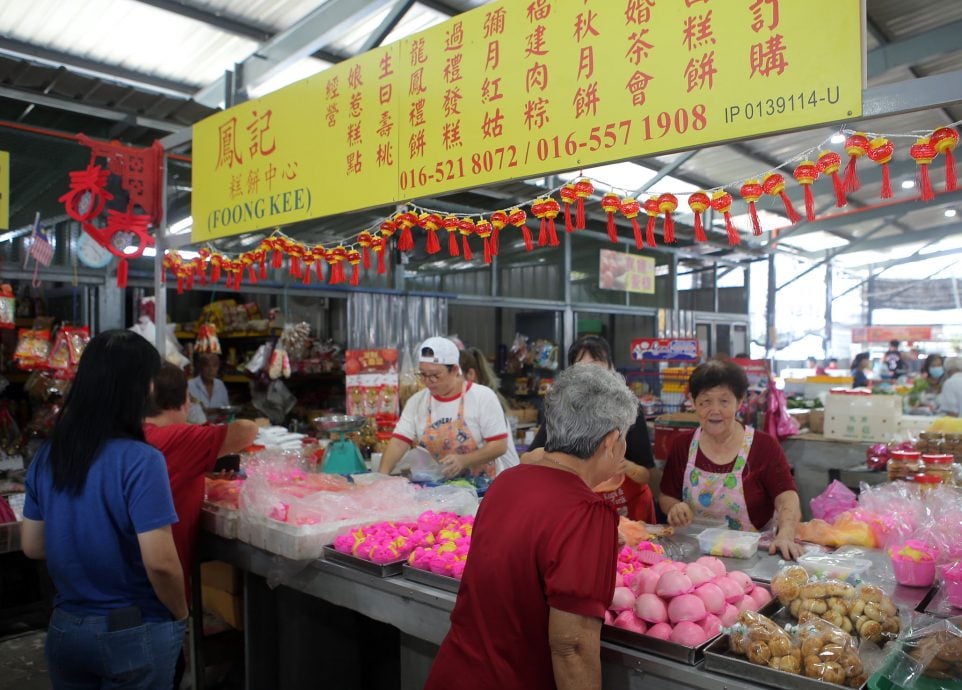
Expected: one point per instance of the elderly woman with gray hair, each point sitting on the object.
(950, 398)
(543, 552)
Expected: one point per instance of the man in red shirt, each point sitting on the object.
(191, 450)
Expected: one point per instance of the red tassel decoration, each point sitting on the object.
(699, 203)
(483, 228)
(432, 223)
(252, 274)
(630, 208)
(652, 208)
(537, 210)
(180, 284)
(499, 219)
(551, 209)
(611, 204)
(190, 281)
(584, 189)
(466, 228)
(450, 224)
(378, 245)
(387, 229)
(569, 195)
(880, 151)
(354, 258)
(320, 256)
(751, 192)
(405, 242)
(721, 201)
(806, 173)
(856, 146)
(364, 240)
(519, 219)
(122, 274)
(828, 163)
(308, 271)
(667, 203)
(215, 267)
(277, 260)
(924, 153)
(774, 185)
(945, 139)
(262, 263)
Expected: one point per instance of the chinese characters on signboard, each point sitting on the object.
(626, 272)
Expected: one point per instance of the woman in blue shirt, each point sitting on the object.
(99, 510)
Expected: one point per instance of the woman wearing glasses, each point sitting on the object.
(461, 424)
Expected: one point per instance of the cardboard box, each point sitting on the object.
(222, 576)
(816, 421)
(866, 427)
(846, 403)
(227, 606)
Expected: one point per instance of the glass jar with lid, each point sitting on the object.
(952, 443)
(940, 465)
(903, 464)
(926, 482)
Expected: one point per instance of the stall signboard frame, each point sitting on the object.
(665, 350)
(884, 334)
(514, 90)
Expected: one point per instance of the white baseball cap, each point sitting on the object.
(445, 351)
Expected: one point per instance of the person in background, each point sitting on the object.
(725, 470)
(99, 509)
(893, 364)
(205, 388)
(461, 424)
(926, 388)
(831, 364)
(476, 369)
(628, 490)
(861, 368)
(543, 552)
(950, 398)
(811, 363)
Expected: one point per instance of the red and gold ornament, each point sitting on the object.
(519, 219)
(721, 201)
(584, 189)
(364, 242)
(483, 229)
(387, 229)
(405, 221)
(774, 185)
(856, 146)
(652, 208)
(450, 224)
(630, 208)
(216, 264)
(466, 229)
(319, 254)
(667, 203)
(499, 219)
(569, 195)
(806, 173)
(354, 258)
(945, 139)
(924, 153)
(828, 163)
(431, 222)
(751, 192)
(550, 208)
(611, 204)
(880, 151)
(699, 203)
(378, 245)
(278, 245)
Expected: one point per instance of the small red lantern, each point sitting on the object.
(652, 208)
(880, 151)
(354, 258)
(340, 256)
(611, 204)
(945, 139)
(387, 228)
(806, 173)
(751, 192)
(405, 220)
(465, 228)
(585, 189)
(569, 195)
(483, 228)
(699, 203)
(721, 201)
(924, 153)
(630, 208)
(320, 257)
(432, 223)
(518, 218)
(550, 208)
(828, 163)
(378, 245)
(498, 220)
(293, 254)
(364, 241)
(450, 224)
(308, 257)
(216, 263)
(774, 185)
(279, 246)
(856, 146)
(667, 203)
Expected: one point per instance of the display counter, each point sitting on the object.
(303, 629)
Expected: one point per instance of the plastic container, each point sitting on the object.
(927, 482)
(940, 465)
(903, 464)
(835, 567)
(914, 563)
(952, 581)
(728, 543)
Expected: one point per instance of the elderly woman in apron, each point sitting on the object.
(461, 424)
(726, 471)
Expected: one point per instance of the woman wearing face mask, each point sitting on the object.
(925, 391)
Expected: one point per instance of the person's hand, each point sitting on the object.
(786, 546)
(532, 456)
(680, 515)
(451, 465)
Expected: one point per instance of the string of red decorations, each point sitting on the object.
(326, 264)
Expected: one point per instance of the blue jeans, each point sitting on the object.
(82, 654)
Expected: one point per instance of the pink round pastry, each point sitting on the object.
(688, 633)
(731, 589)
(742, 579)
(729, 616)
(746, 603)
(646, 582)
(609, 618)
(713, 564)
(712, 596)
(711, 625)
(622, 600)
(620, 580)
(629, 621)
(650, 608)
(686, 607)
(761, 596)
(699, 574)
(660, 630)
(457, 570)
(672, 584)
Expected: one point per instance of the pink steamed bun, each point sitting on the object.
(761, 596)
(660, 630)
(732, 590)
(713, 564)
(609, 618)
(712, 596)
(622, 600)
(629, 621)
(688, 634)
(645, 582)
(686, 607)
(742, 579)
(699, 574)
(662, 567)
(746, 603)
(673, 583)
(729, 616)
(711, 625)
(650, 608)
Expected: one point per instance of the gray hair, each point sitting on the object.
(585, 403)
(952, 365)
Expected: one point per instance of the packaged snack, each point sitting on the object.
(8, 307)
(829, 654)
(33, 349)
(764, 643)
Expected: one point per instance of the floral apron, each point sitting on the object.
(451, 438)
(719, 495)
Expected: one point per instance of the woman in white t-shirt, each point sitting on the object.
(461, 424)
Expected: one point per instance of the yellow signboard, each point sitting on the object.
(626, 272)
(4, 190)
(516, 89)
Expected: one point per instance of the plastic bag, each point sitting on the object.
(929, 657)
(778, 422)
(8, 307)
(764, 643)
(836, 499)
(422, 466)
(829, 654)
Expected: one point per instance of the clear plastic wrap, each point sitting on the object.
(929, 657)
(764, 643)
(829, 654)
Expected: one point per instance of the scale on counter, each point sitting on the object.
(342, 455)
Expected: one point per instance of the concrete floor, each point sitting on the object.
(22, 665)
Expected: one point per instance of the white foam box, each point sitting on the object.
(870, 418)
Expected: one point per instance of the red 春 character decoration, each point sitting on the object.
(721, 201)
(945, 139)
(828, 163)
(550, 208)
(498, 220)
(466, 228)
(751, 192)
(569, 195)
(451, 225)
(880, 150)
(584, 189)
(667, 203)
(630, 208)
(483, 228)
(432, 223)
(652, 209)
(364, 241)
(699, 203)
(774, 185)
(610, 204)
(924, 153)
(806, 173)
(856, 146)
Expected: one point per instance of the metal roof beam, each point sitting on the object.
(915, 49)
(665, 171)
(29, 51)
(317, 29)
(387, 26)
(214, 19)
(929, 234)
(439, 6)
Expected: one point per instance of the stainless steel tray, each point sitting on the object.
(670, 650)
(376, 569)
(719, 659)
(426, 577)
(937, 604)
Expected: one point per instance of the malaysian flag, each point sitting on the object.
(40, 248)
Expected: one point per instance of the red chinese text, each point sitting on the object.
(757, 9)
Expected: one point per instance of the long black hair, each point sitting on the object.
(107, 400)
(594, 345)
